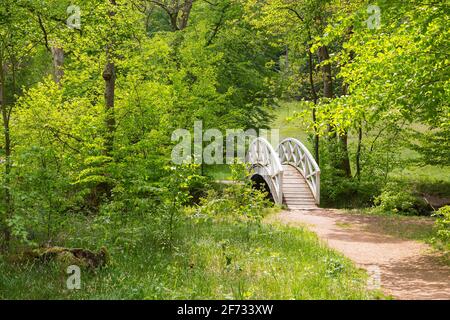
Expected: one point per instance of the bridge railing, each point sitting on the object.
(292, 151)
(265, 161)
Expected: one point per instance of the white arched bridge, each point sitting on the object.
(290, 173)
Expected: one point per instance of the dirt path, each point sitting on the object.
(406, 269)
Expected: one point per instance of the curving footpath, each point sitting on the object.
(407, 269)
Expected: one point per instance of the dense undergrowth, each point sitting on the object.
(207, 260)
(218, 249)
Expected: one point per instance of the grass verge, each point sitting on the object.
(208, 260)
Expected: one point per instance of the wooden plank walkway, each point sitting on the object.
(296, 193)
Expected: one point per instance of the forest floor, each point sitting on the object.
(207, 259)
(407, 269)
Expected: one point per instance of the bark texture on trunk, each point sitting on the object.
(358, 152)
(58, 62)
(327, 77)
(315, 99)
(324, 56)
(109, 76)
(344, 159)
(185, 13)
(344, 163)
(177, 11)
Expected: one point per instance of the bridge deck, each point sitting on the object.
(296, 193)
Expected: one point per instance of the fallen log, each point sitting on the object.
(83, 258)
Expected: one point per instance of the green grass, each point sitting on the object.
(209, 260)
(287, 126)
(432, 176)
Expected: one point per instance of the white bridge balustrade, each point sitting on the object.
(265, 162)
(291, 173)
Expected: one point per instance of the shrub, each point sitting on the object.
(443, 224)
(396, 198)
(339, 191)
(239, 201)
(143, 210)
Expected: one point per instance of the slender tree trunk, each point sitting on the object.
(324, 56)
(327, 77)
(58, 61)
(358, 153)
(7, 137)
(218, 25)
(316, 138)
(315, 99)
(344, 158)
(286, 59)
(333, 144)
(109, 76)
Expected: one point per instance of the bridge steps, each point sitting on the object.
(296, 193)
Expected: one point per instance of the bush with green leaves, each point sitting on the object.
(398, 198)
(239, 201)
(443, 225)
(337, 190)
(147, 210)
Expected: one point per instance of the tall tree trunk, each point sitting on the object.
(333, 144)
(327, 77)
(7, 136)
(344, 159)
(324, 56)
(58, 61)
(344, 162)
(185, 13)
(315, 99)
(358, 153)
(109, 76)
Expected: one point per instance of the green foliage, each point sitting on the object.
(339, 191)
(395, 74)
(72, 177)
(94, 172)
(164, 80)
(238, 201)
(208, 260)
(143, 209)
(434, 145)
(390, 86)
(443, 225)
(396, 198)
